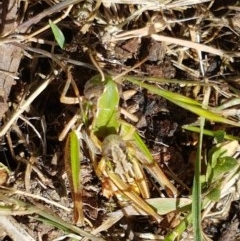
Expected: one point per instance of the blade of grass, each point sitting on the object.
(164, 81)
(210, 132)
(164, 93)
(197, 189)
(185, 102)
(59, 222)
(58, 34)
(179, 229)
(72, 164)
(196, 193)
(23, 208)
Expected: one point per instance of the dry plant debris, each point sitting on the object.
(190, 48)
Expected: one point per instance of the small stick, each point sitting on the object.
(22, 108)
(189, 44)
(42, 52)
(97, 66)
(66, 13)
(12, 191)
(55, 8)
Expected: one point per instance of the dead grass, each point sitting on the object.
(188, 46)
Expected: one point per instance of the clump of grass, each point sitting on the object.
(202, 47)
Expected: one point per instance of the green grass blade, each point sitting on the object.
(179, 229)
(211, 133)
(209, 115)
(75, 160)
(58, 35)
(166, 94)
(165, 81)
(196, 194)
(58, 222)
(197, 187)
(186, 103)
(72, 166)
(45, 215)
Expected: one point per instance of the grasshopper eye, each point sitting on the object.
(107, 153)
(93, 89)
(123, 147)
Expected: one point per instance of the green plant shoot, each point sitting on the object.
(58, 35)
(72, 166)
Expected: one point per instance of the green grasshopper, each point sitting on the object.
(123, 153)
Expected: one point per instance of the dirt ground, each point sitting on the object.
(183, 47)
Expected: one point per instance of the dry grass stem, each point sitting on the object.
(55, 8)
(141, 73)
(14, 229)
(24, 106)
(11, 192)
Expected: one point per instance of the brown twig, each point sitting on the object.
(58, 7)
